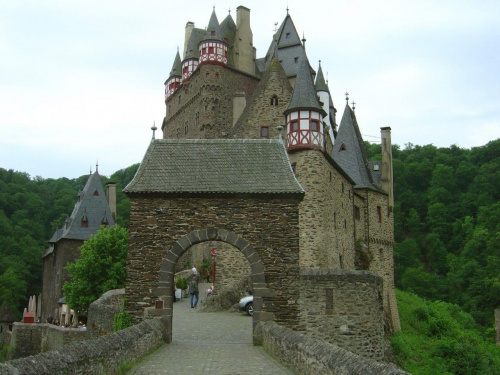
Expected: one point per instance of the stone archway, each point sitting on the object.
(166, 274)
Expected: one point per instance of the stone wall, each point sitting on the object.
(326, 213)
(102, 355)
(310, 356)
(269, 226)
(344, 307)
(102, 311)
(30, 339)
(55, 274)
(203, 106)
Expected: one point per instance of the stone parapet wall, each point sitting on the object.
(102, 355)
(344, 307)
(30, 339)
(307, 355)
(102, 311)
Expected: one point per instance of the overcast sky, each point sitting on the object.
(82, 81)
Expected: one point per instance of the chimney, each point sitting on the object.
(386, 170)
(187, 36)
(243, 42)
(111, 196)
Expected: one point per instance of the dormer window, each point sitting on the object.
(342, 147)
(84, 223)
(296, 60)
(96, 193)
(212, 32)
(287, 35)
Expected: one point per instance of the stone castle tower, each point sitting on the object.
(219, 89)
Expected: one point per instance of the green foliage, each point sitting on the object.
(101, 267)
(5, 352)
(447, 224)
(439, 338)
(181, 283)
(122, 320)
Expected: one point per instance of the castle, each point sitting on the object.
(252, 156)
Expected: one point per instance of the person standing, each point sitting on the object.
(208, 276)
(194, 291)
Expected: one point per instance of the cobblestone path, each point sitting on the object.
(209, 343)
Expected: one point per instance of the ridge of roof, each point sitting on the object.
(304, 94)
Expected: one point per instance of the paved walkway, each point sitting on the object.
(209, 343)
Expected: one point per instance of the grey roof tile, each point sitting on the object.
(176, 66)
(93, 205)
(192, 51)
(349, 151)
(304, 94)
(213, 29)
(320, 81)
(252, 166)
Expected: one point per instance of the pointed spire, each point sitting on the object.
(213, 28)
(320, 80)
(153, 128)
(304, 94)
(177, 66)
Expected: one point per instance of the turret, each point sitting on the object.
(174, 80)
(213, 49)
(326, 101)
(304, 115)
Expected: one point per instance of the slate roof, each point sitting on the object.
(289, 48)
(304, 94)
(349, 151)
(320, 81)
(93, 205)
(213, 26)
(192, 51)
(176, 66)
(251, 166)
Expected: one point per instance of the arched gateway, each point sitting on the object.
(241, 192)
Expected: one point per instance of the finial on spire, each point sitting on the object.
(287, 9)
(214, 7)
(347, 97)
(353, 105)
(229, 10)
(90, 170)
(153, 128)
(275, 27)
(304, 40)
(97, 166)
(326, 75)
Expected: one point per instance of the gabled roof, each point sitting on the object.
(213, 29)
(350, 153)
(176, 66)
(304, 94)
(91, 206)
(192, 51)
(320, 81)
(244, 166)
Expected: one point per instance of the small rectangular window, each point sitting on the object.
(357, 213)
(379, 214)
(294, 126)
(315, 126)
(264, 131)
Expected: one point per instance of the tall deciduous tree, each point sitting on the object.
(101, 267)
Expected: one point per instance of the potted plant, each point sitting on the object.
(182, 284)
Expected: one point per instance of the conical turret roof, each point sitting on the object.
(192, 51)
(304, 93)
(320, 80)
(176, 67)
(213, 29)
(349, 151)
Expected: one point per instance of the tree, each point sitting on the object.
(101, 267)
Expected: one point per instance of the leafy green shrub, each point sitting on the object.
(5, 352)
(181, 283)
(122, 320)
